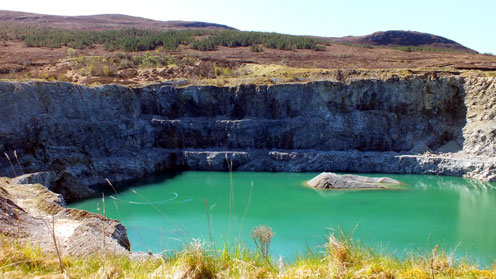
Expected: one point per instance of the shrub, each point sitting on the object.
(107, 71)
(262, 236)
(256, 48)
(204, 45)
(71, 52)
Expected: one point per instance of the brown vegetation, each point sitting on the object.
(95, 64)
(99, 66)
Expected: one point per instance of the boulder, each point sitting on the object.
(127, 73)
(329, 180)
(450, 147)
(32, 214)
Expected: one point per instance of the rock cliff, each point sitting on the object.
(79, 136)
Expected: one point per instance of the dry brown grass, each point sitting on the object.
(227, 66)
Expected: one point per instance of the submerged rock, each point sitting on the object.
(329, 180)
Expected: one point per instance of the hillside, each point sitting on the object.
(399, 38)
(102, 22)
(121, 49)
(118, 21)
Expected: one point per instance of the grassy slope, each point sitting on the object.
(342, 258)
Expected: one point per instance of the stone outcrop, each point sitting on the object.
(480, 131)
(81, 135)
(329, 180)
(31, 214)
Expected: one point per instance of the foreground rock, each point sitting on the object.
(80, 135)
(329, 180)
(31, 214)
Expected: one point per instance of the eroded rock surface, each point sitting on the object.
(31, 214)
(83, 135)
(329, 180)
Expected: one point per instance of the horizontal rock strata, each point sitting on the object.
(79, 136)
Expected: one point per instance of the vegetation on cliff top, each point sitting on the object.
(219, 57)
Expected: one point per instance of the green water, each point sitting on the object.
(169, 211)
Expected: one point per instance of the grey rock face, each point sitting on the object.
(480, 130)
(83, 135)
(366, 115)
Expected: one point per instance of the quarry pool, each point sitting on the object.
(165, 212)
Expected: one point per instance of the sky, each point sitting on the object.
(470, 23)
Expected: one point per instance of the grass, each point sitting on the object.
(258, 74)
(127, 66)
(341, 257)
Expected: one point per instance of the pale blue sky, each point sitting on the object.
(471, 23)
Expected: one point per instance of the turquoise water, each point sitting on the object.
(163, 213)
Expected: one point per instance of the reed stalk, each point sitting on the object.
(159, 211)
(10, 162)
(208, 221)
(18, 163)
(433, 259)
(103, 225)
(55, 243)
(246, 211)
(125, 209)
(232, 211)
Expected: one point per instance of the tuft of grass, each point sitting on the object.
(490, 74)
(194, 262)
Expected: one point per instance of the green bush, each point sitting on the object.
(256, 48)
(204, 45)
(253, 39)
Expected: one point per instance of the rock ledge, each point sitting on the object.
(30, 213)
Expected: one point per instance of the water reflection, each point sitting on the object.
(475, 224)
(477, 221)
